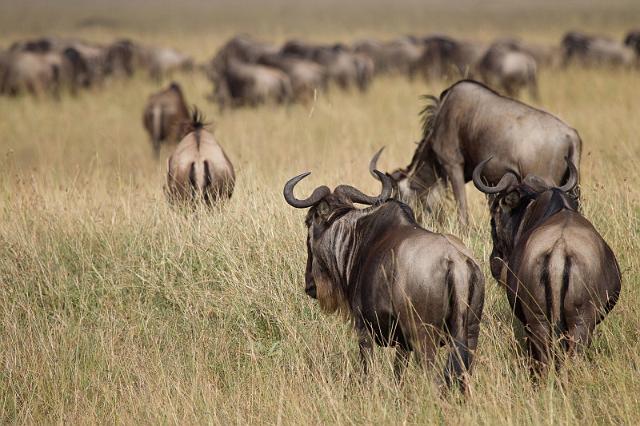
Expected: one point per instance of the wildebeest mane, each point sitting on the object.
(555, 202)
(428, 114)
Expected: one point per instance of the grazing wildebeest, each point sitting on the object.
(199, 170)
(240, 83)
(162, 61)
(444, 57)
(545, 56)
(163, 115)
(396, 56)
(306, 76)
(592, 50)
(400, 284)
(30, 72)
(632, 40)
(470, 122)
(508, 69)
(343, 67)
(562, 278)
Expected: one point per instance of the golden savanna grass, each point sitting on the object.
(115, 308)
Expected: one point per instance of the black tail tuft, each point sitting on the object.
(196, 122)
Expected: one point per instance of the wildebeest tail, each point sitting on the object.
(200, 180)
(555, 277)
(463, 282)
(429, 114)
(156, 124)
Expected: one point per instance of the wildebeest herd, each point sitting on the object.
(246, 71)
(401, 285)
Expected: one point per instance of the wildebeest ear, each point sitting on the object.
(511, 200)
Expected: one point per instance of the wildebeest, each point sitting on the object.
(120, 58)
(162, 61)
(306, 76)
(508, 69)
(592, 50)
(545, 56)
(632, 39)
(343, 66)
(199, 169)
(396, 56)
(31, 72)
(400, 284)
(240, 83)
(447, 58)
(163, 115)
(469, 123)
(562, 278)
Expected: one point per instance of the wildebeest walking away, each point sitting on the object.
(401, 285)
(562, 278)
(469, 123)
(163, 116)
(199, 169)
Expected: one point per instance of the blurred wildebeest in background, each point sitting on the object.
(446, 58)
(29, 72)
(545, 56)
(469, 123)
(163, 116)
(242, 83)
(199, 170)
(562, 278)
(306, 76)
(508, 69)
(632, 40)
(163, 61)
(398, 56)
(239, 80)
(591, 50)
(344, 67)
(400, 284)
(121, 58)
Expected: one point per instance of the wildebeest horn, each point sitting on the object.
(572, 180)
(507, 180)
(318, 194)
(374, 162)
(356, 196)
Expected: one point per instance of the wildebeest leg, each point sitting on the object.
(425, 346)
(538, 340)
(365, 343)
(456, 175)
(581, 328)
(156, 148)
(400, 362)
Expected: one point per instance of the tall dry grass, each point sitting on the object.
(115, 308)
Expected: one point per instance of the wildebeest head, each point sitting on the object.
(516, 204)
(633, 40)
(325, 207)
(422, 179)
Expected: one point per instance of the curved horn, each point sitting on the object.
(373, 163)
(507, 180)
(356, 196)
(318, 194)
(572, 180)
